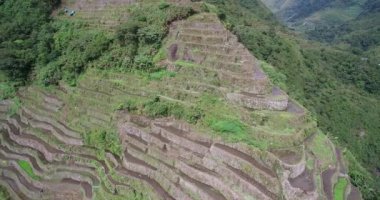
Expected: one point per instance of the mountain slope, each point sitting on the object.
(332, 82)
(136, 108)
(306, 15)
(207, 124)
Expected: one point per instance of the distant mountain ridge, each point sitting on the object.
(309, 13)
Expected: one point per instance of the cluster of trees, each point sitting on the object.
(20, 24)
(144, 31)
(63, 49)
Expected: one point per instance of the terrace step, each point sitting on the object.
(247, 164)
(209, 40)
(93, 177)
(274, 101)
(203, 25)
(201, 31)
(33, 113)
(46, 127)
(252, 182)
(304, 182)
(245, 157)
(144, 139)
(217, 48)
(14, 189)
(178, 137)
(163, 169)
(208, 179)
(154, 184)
(32, 142)
(203, 190)
(204, 55)
(327, 182)
(76, 169)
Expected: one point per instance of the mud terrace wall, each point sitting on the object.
(187, 164)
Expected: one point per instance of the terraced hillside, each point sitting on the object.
(208, 125)
(99, 13)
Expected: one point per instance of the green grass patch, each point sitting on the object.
(340, 189)
(183, 63)
(274, 122)
(275, 76)
(159, 75)
(25, 165)
(322, 149)
(225, 121)
(228, 126)
(161, 55)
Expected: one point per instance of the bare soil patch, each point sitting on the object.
(327, 182)
(305, 181)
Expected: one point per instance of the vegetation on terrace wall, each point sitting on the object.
(104, 141)
(4, 193)
(339, 87)
(144, 31)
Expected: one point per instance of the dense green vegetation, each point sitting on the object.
(20, 25)
(4, 193)
(74, 47)
(340, 189)
(338, 86)
(104, 141)
(25, 165)
(361, 32)
(144, 31)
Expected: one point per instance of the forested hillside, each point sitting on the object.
(23, 25)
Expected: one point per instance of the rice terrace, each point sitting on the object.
(138, 99)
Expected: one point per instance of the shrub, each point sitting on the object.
(275, 76)
(49, 74)
(159, 75)
(145, 29)
(15, 106)
(4, 193)
(104, 141)
(7, 90)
